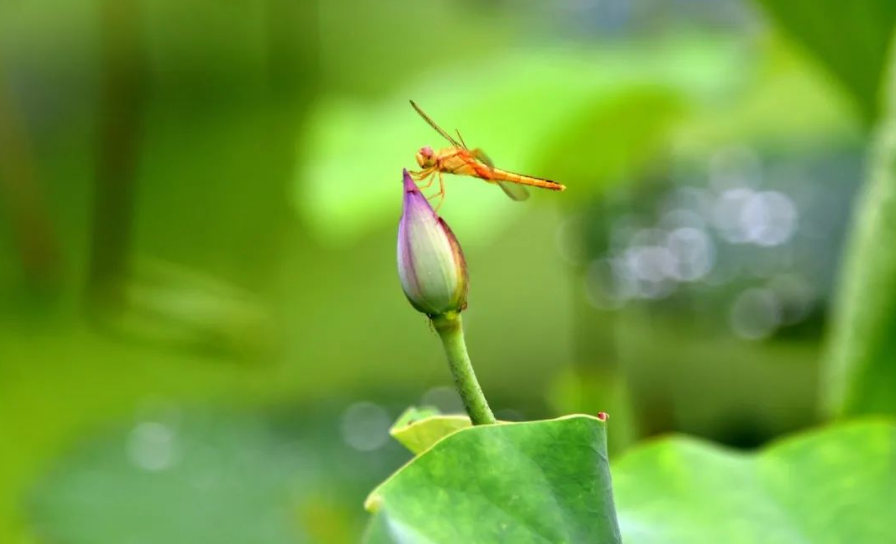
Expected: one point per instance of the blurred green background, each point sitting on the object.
(203, 337)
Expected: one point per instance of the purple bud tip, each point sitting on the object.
(409, 185)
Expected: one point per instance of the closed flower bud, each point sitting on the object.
(431, 264)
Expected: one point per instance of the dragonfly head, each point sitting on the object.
(426, 157)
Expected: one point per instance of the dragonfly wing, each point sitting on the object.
(438, 129)
(513, 190)
(480, 156)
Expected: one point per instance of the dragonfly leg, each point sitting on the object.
(441, 193)
(422, 175)
(429, 183)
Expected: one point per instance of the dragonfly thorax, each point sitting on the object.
(425, 157)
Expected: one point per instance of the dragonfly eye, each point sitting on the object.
(424, 157)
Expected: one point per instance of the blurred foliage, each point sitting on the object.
(566, 98)
(682, 89)
(787, 105)
(839, 34)
(825, 486)
(861, 368)
(188, 476)
(553, 486)
(166, 304)
(258, 259)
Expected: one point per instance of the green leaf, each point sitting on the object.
(849, 38)
(540, 482)
(860, 374)
(824, 487)
(418, 429)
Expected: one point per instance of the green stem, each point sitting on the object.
(451, 332)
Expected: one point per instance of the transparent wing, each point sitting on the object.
(480, 156)
(513, 190)
(439, 129)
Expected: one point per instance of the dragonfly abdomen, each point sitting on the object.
(497, 174)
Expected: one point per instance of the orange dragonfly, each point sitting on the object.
(461, 160)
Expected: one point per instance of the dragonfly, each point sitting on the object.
(461, 160)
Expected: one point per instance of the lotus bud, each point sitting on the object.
(431, 264)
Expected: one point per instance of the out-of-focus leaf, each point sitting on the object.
(175, 306)
(370, 47)
(861, 368)
(190, 478)
(608, 140)
(541, 481)
(790, 106)
(849, 38)
(419, 428)
(524, 109)
(825, 487)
